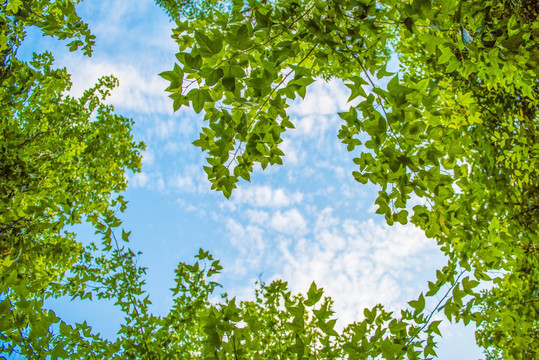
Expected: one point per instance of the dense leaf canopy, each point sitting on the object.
(63, 161)
(456, 127)
(455, 130)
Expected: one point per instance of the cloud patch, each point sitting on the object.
(264, 196)
(358, 263)
(322, 98)
(129, 95)
(290, 222)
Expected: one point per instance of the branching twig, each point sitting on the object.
(266, 101)
(437, 308)
(270, 39)
(187, 87)
(23, 338)
(358, 60)
(131, 298)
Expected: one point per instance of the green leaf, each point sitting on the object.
(468, 285)
(357, 88)
(401, 217)
(238, 38)
(125, 235)
(446, 55)
(370, 315)
(329, 327)
(263, 19)
(466, 37)
(198, 98)
(417, 127)
(74, 45)
(383, 73)
(418, 305)
(175, 77)
(13, 6)
(193, 62)
(313, 295)
(214, 77)
(237, 5)
(298, 348)
(409, 24)
(494, 224)
(233, 71)
(433, 327)
(394, 88)
(209, 47)
(422, 6)
(179, 100)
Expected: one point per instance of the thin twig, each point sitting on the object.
(358, 60)
(131, 298)
(23, 338)
(266, 101)
(187, 87)
(269, 40)
(437, 308)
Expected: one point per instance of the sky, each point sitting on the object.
(305, 220)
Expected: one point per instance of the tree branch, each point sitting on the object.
(437, 309)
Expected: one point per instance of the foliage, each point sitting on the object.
(189, 8)
(456, 127)
(63, 161)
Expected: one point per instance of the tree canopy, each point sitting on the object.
(456, 126)
(454, 129)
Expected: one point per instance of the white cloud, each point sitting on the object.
(142, 92)
(291, 222)
(292, 151)
(340, 172)
(115, 25)
(359, 263)
(146, 179)
(173, 147)
(264, 196)
(257, 216)
(148, 157)
(325, 220)
(317, 113)
(175, 127)
(191, 180)
(164, 128)
(323, 98)
(184, 183)
(139, 180)
(249, 241)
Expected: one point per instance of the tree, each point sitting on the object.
(63, 161)
(456, 126)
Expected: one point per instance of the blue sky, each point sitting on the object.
(305, 220)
